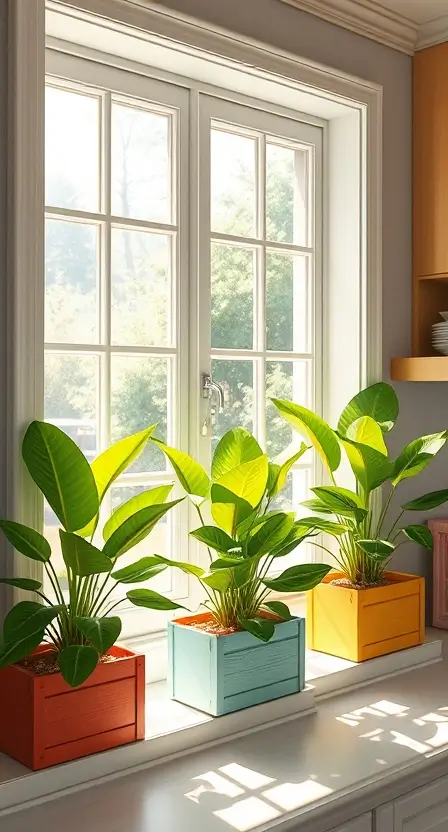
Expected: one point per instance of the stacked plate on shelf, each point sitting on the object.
(440, 335)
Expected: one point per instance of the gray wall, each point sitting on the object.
(423, 406)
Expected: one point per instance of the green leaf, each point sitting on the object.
(269, 535)
(225, 563)
(113, 462)
(416, 456)
(236, 447)
(278, 474)
(26, 618)
(314, 429)
(295, 537)
(102, 632)
(77, 663)
(152, 600)
(248, 481)
(317, 506)
(216, 539)
(339, 500)
(188, 568)
(379, 401)
(22, 583)
(379, 549)
(62, 473)
(228, 510)
(191, 475)
(142, 570)
(219, 581)
(365, 431)
(421, 535)
(321, 525)
(299, 578)
(81, 556)
(27, 541)
(370, 467)
(15, 651)
(280, 609)
(428, 501)
(135, 529)
(154, 496)
(261, 628)
(244, 572)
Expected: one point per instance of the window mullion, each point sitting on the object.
(105, 280)
(260, 300)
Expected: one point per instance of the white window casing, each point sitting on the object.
(347, 112)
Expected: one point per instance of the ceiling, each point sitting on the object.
(420, 11)
(406, 25)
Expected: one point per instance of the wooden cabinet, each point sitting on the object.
(430, 214)
(362, 824)
(423, 810)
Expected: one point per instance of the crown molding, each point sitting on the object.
(433, 32)
(367, 18)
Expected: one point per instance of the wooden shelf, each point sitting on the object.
(431, 368)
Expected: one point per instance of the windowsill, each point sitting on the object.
(174, 730)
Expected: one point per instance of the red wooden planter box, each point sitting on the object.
(43, 721)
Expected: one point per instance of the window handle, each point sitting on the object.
(211, 388)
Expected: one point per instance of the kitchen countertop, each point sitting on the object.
(361, 749)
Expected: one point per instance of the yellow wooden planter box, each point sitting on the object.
(360, 624)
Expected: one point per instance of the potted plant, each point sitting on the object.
(245, 649)
(66, 689)
(364, 610)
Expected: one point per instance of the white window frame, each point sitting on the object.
(352, 108)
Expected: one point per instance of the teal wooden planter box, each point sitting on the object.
(220, 674)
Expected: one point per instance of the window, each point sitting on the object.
(172, 253)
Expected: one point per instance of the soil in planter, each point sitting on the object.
(45, 664)
(345, 582)
(214, 628)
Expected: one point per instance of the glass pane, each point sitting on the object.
(139, 398)
(71, 282)
(233, 189)
(286, 195)
(71, 150)
(141, 288)
(232, 274)
(71, 397)
(296, 491)
(157, 542)
(141, 164)
(284, 380)
(288, 319)
(237, 380)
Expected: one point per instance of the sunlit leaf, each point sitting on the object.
(216, 539)
(248, 481)
(190, 473)
(135, 529)
(338, 500)
(142, 570)
(278, 473)
(228, 510)
(313, 428)
(416, 456)
(365, 431)
(188, 568)
(236, 447)
(379, 549)
(379, 401)
(62, 473)
(152, 497)
(219, 581)
(113, 462)
(370, 467)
